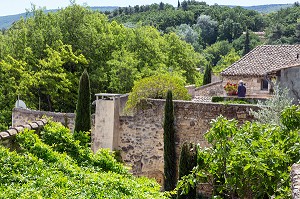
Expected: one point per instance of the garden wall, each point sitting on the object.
(7, 138)
(141, 135)
(212, 89)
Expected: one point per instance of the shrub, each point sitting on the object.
(156, 87)
(249, 161)
(41, 171)
(188, 160)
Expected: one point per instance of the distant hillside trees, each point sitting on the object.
(54, 48)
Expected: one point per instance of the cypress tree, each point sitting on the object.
(83, 107)
(207, 75)
(178, 5)
(188, 160)
(247, 43)
(169, 145)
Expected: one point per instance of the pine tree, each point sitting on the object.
(178, 5)
(207, 75)
(188, 160)
(247, 43)
(169, 145)
(83, 108)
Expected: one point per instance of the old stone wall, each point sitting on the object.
(7, 138)
(212, 89)
(289, 78)
(22, 116)
(141, 135)
(295, 178)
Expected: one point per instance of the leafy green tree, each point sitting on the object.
(83, 107)
(188, 160)
(209, 29)
(214, 52)
(226, 61)
(207, 75)
(169, 145)
(156, 87)
(249, 161)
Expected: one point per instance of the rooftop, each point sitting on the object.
(263, 59)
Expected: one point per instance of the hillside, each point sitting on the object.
(6, 21)
(268, 8)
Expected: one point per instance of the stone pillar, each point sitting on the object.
(106, 131)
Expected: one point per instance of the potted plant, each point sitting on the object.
(231, 89)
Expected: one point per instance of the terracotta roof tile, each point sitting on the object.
(263, 59)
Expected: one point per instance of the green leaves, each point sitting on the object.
(49, 167)
(252, 160)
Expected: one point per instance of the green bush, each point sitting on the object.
(249, 161)
(156, 87)
(43, 171)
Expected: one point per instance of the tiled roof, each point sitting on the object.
(263, 59)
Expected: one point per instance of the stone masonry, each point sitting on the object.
(141, 135)
(295, 178)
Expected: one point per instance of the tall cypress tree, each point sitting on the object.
(83, 107)
(188, 160)
(207, 75)
(169, 145)
(178, 5)
(247, 43)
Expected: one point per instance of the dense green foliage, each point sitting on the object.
(169, 145)
(83, 108)
(42, 57)
(156, 87)
(250, 161)
(56, 166)
(187, 161)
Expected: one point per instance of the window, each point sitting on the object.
(264, 84)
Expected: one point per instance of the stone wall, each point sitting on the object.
(141, 135)
(7, 138)
(22, 116)
(289, 78)
(212, 89)
(295, 178)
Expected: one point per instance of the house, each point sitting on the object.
(264, 64)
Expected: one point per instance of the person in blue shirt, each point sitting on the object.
(241, 89)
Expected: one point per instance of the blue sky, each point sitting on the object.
(10, 7)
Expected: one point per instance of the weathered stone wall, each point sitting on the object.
(141, 135)
(289, 78)
(295, 178)
(253, 85)
(22, 116)
(7, 138)
(213, 89)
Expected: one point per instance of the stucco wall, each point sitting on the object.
(141, 136)
(290, 79)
